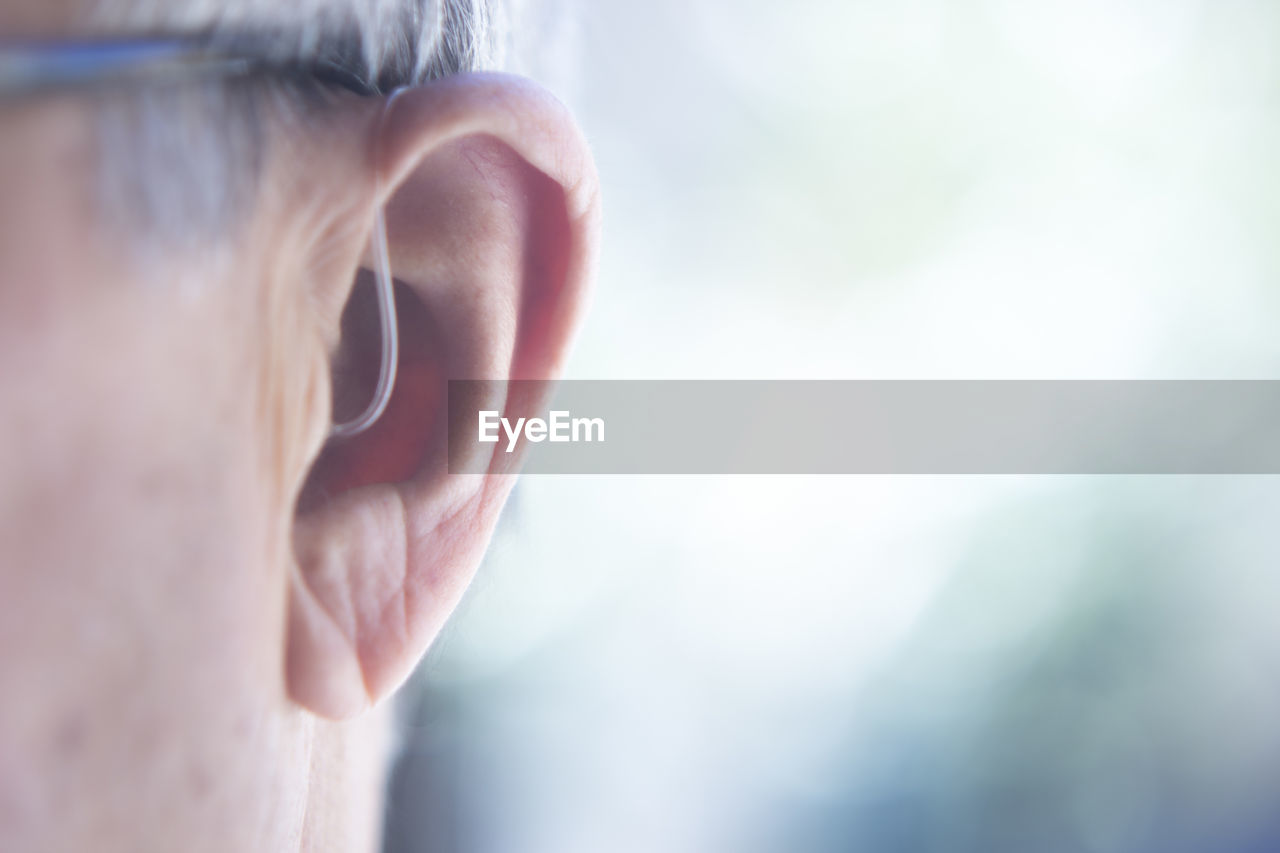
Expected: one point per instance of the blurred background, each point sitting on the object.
(907, 189)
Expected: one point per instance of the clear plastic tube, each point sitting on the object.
(390, 337)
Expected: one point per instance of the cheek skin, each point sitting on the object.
(140, 616)
(157, 430)
(144, 509)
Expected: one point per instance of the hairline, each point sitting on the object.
(181, 162)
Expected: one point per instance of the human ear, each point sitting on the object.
(492, 216)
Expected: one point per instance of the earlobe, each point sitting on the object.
(491, 217)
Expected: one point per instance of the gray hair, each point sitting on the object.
(151, 138)
(409, 41)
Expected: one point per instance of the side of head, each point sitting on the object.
(201, 598)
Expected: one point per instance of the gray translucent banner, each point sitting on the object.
(866, 427)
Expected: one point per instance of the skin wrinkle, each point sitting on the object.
(291, 416)
(436, 542)
(288, 413)
(331, 570)
(352, 567)
(397, 595)
(347, 566)
(331, 229)
(323, 603)
(331, 250)
(378, 579)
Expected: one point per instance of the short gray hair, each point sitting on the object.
(151, 138)
(408, 41)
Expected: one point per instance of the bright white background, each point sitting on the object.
(918, 188)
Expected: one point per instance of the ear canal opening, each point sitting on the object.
(389, 333)
(394, 448)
